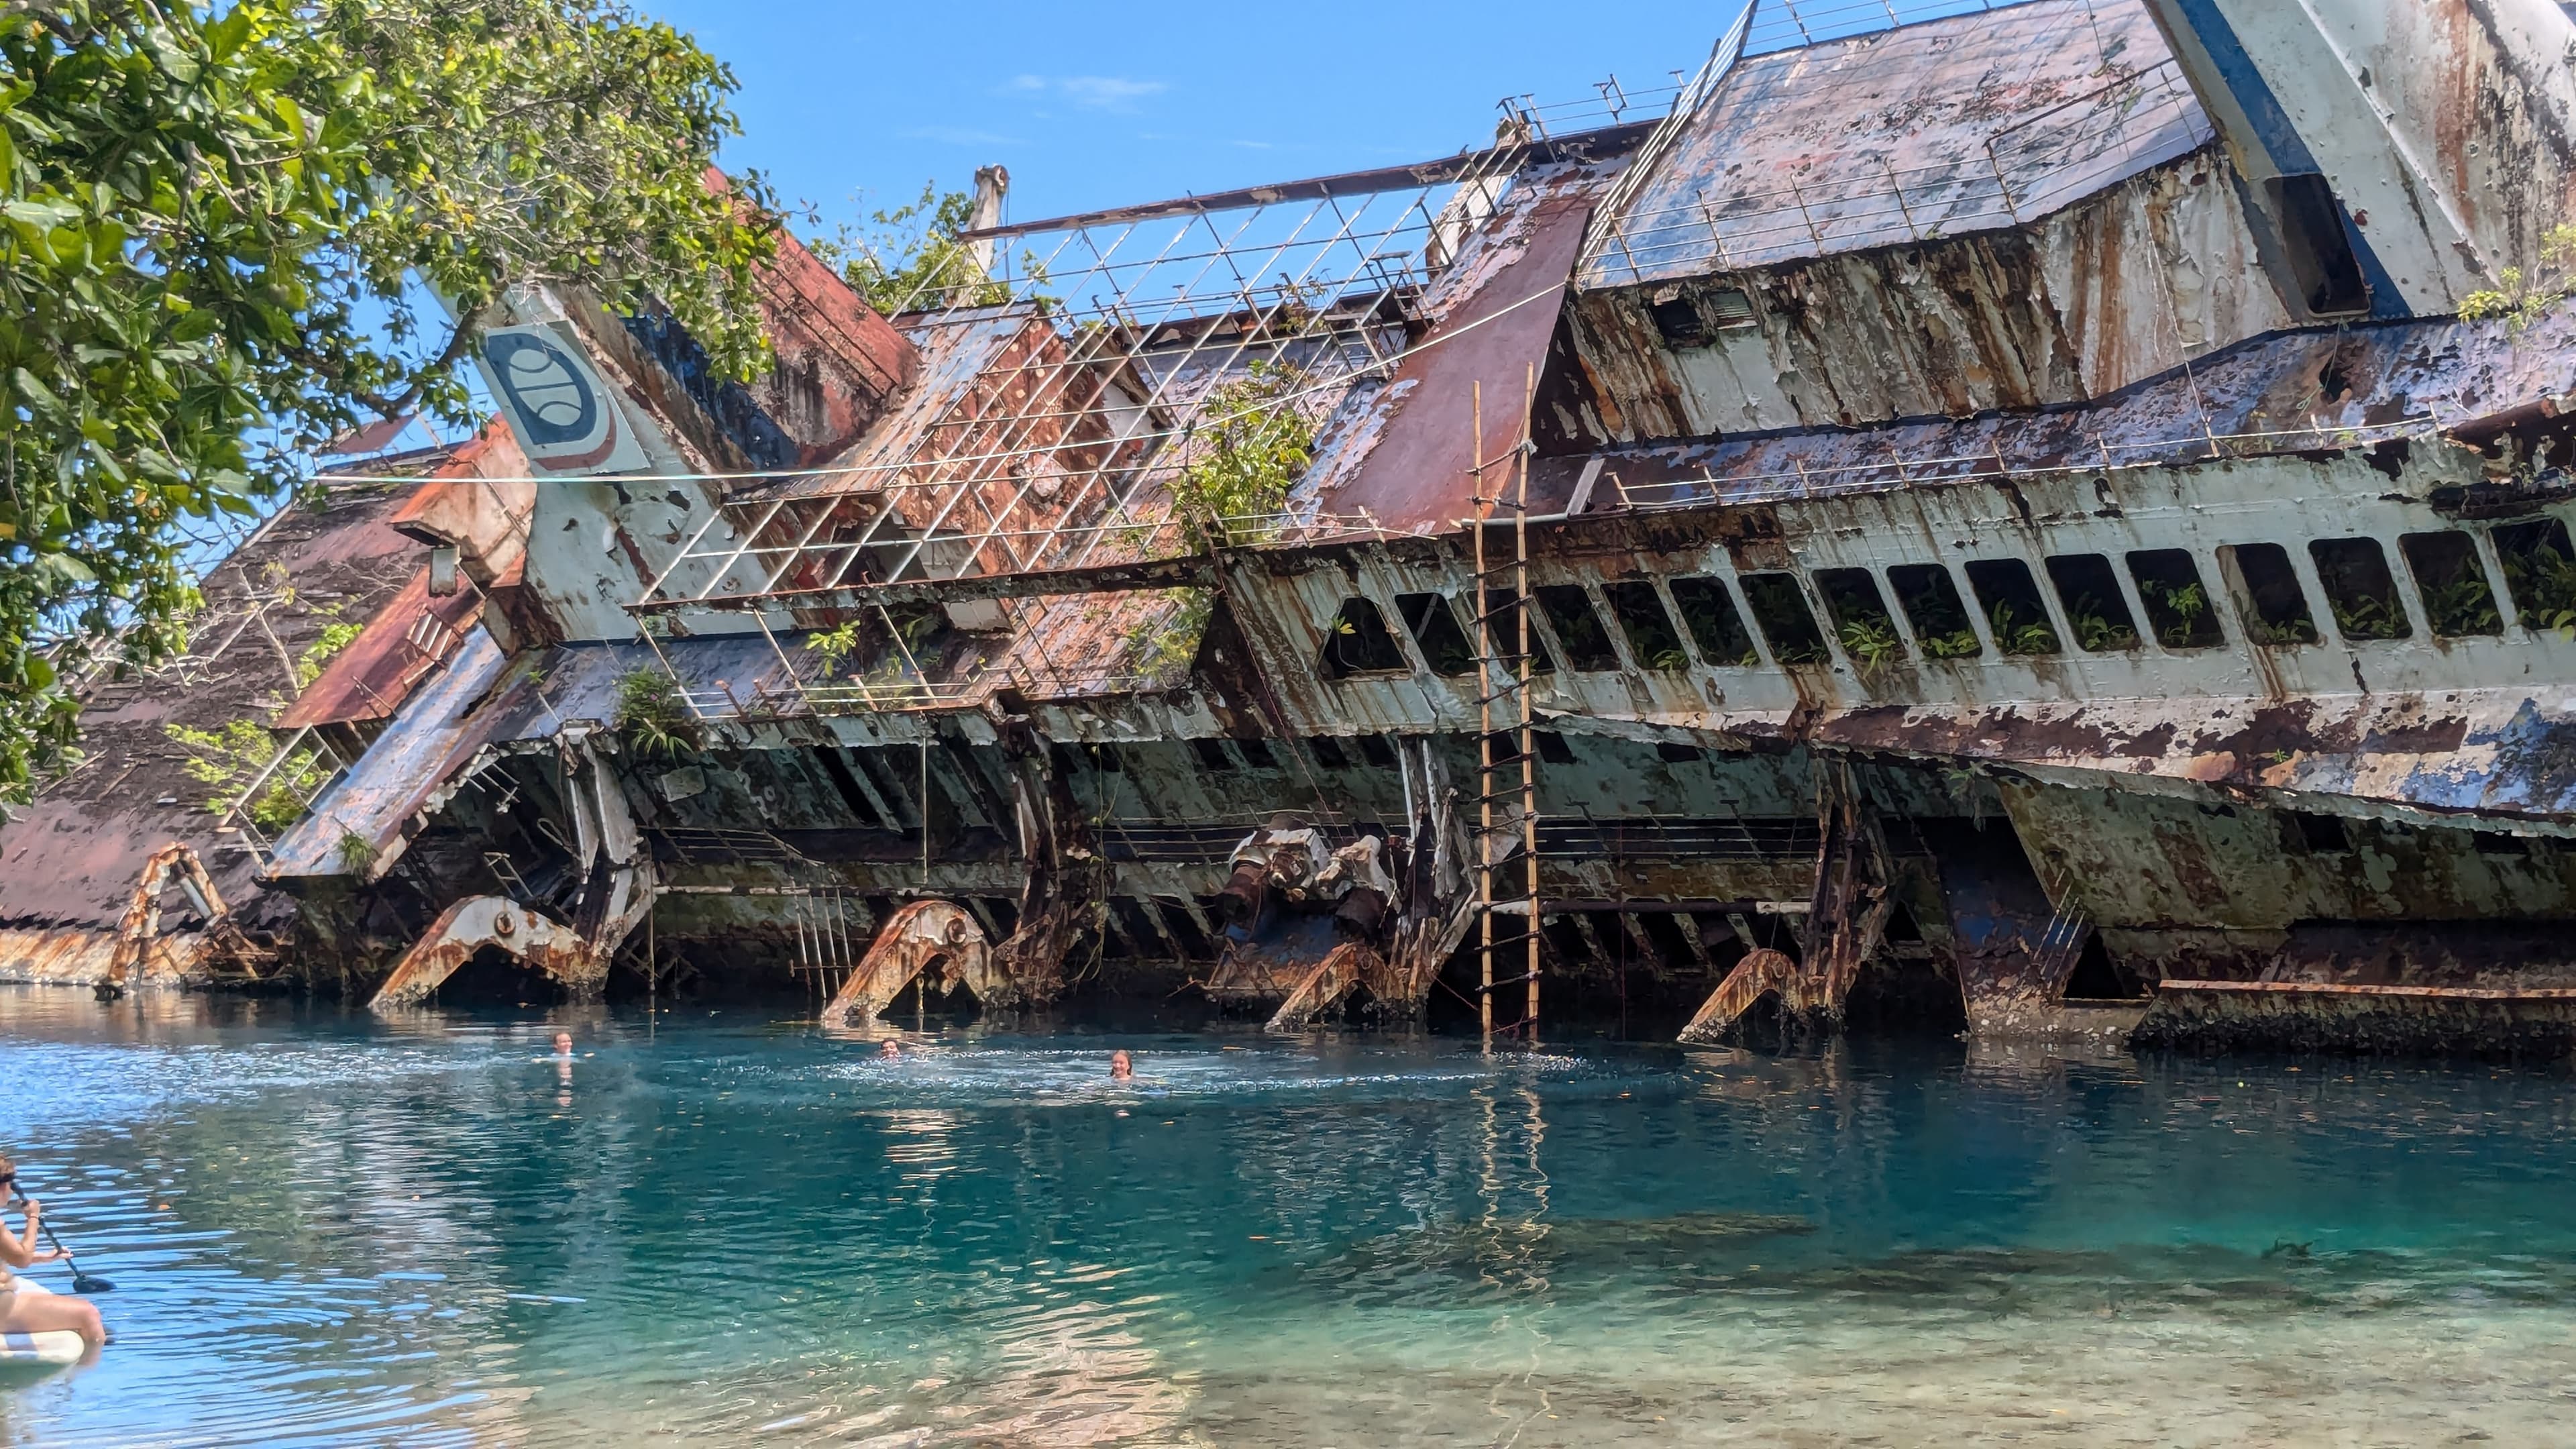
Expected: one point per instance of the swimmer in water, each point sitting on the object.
(1122, 1067)
(889, 1052)
(563, 1046)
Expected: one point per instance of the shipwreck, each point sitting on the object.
(1981, 515)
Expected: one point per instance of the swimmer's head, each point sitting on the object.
(563, 1043)
(889, 1051)
(1121, 1066)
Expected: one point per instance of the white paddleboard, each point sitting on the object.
(50, 1350)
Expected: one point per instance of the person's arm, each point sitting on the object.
(20, 1251)
(13, 1253)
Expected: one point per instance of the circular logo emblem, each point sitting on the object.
(552, 396)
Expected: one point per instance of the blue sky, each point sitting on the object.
(1093, 106)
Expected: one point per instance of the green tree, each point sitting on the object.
(1255, 443)
(910, 259)
(220, 228)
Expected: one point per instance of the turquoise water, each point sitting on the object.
(326, 1229)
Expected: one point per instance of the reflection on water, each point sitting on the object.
(325, 1228)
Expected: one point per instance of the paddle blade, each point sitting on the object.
(88, 1283)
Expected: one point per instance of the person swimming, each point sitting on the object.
(22, 1312)
(889, 1052)
(563, 1045)
(1122, 1067)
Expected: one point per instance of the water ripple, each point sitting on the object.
(327, 1229)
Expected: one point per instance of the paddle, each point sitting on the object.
(81, 1282)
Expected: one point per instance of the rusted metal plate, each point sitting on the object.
(379, 795)
(2303, 1016)
(938, 941)
(72, 857)
(408, 639)
(481, 923)
(2306, 392)
(1980, 121)
(1413, 466)
(76, 957)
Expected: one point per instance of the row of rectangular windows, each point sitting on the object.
(2535, 561)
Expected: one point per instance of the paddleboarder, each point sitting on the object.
(23, 1312)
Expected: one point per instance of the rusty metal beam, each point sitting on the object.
(1593, 145)
(1034, 584)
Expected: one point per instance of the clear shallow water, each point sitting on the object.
(326, 1229)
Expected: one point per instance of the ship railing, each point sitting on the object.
(1899, 471)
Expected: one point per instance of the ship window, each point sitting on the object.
(1678, 321)
(1781, 612)
(2496, 842)
(2359, 588)
(1503, 623)
(1674, 754)
(1328, 752)
(2013, 607)
(1715, 624)
(1377, 751)
(1649, 627)
(1731, 307)
(1104, 758)
(2177, 601)
(1861, 621)
(1194, 942)
(1256, 755)
(1578, 626)
(1212, 756)
(2451, 583)
(2540, 569)
(1552, 747)
(1357, 642)
(2094, 608)
(1931, 601)
(2274, 607)
(1434, 626)
(2315, 834)
(2319, 249)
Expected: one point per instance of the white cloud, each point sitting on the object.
(1091, 92)
(960, 136)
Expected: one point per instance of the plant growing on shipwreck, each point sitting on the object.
(1238, 471)
(913, 260)
(2368, 616)
(1871, 642)
(228, 759)
(1940, 621)
(2522, 299)
(831, 646)
(2095, 630)
(2015, 636)
(1163, 644)
(2543, 581)
(654, 715)
(335, 637)
(2182, 604)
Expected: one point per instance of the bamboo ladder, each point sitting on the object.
(1504, 680)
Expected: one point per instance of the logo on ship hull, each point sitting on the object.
(564, 418)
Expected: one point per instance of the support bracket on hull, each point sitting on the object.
(934, 940)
